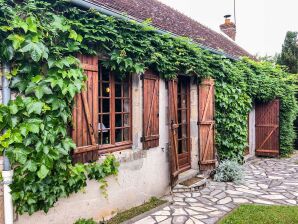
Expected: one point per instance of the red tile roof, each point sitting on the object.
(169, 19)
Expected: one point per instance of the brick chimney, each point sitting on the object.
(229, 28)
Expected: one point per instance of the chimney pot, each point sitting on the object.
(229, 28)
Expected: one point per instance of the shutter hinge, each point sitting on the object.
(142, 139)
(141, 76)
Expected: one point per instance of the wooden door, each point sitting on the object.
(183, 111)
(173, 126)
(267, 128)
(207, 158)
(179, 123)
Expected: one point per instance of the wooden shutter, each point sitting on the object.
(206, 125)
(267, 128)
(150, 137)
(173, 126)
(85, 114)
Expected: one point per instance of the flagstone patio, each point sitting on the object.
(267, 181)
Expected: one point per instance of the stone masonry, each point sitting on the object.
(267, 181)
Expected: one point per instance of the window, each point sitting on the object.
(114, 118)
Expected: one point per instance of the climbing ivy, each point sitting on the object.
(40, 40)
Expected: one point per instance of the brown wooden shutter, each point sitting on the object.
(150, 137)
(173, 126)
(206, 125)
(267, 128)
(85, 114)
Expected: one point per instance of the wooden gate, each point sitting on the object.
(267, 128)
(206, 123)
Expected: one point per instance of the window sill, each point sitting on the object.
(114, 148)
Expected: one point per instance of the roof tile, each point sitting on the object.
(169, 19)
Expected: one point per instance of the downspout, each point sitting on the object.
(91, 5)
(7, 172)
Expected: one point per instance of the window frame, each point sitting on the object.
(114, 146)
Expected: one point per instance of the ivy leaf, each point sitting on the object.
(31, 22)
(34, 107)
(37, 50)
(42, 172)
(20, 155)
(17, 40)
(13, 108)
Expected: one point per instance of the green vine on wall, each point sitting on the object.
(40, 40)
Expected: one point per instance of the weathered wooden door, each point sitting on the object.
(206, 123)
(179, 131)
(267, 128)
(173, 126)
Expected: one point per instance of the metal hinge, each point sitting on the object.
(141, 76)
(142, 139)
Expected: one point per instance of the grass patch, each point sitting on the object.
(262, 214)
(133, 212)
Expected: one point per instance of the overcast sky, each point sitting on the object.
(261, 24)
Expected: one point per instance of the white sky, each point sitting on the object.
(261, 24)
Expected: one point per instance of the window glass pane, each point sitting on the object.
(126, 105)
(183, 101)
(106, 137)
(106, 121)
(99, 105)
(183, 116)
(105, 74)
(105, 105)
(106, 89)
(184, 145)
(179, 132)
(184, 131)
(99, 138)
(118, 89)
(118, 77)
(118, 120)
(179, 146)
(118, 105)
(118, 135)
(126, 134)
(125, 89)
(126, 120)
(99, 90)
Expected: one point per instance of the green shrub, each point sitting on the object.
(85, 221)
(229, 171)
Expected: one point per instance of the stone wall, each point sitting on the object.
(142, 174)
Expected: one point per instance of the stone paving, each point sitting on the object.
(267, 181)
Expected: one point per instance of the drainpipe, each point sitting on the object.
(7, 172)
(107, 11)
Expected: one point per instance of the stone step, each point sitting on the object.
(194, 187)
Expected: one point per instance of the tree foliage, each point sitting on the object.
(289, 53)
(40, 40)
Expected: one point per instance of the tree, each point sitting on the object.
(289, 53)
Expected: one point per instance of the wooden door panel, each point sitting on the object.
(207, 156)
(85, 114)
(150, 110)
(173, 125)
(267, 128)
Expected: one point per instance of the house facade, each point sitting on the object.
(160, 131)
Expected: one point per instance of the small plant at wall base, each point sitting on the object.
(40, 39)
